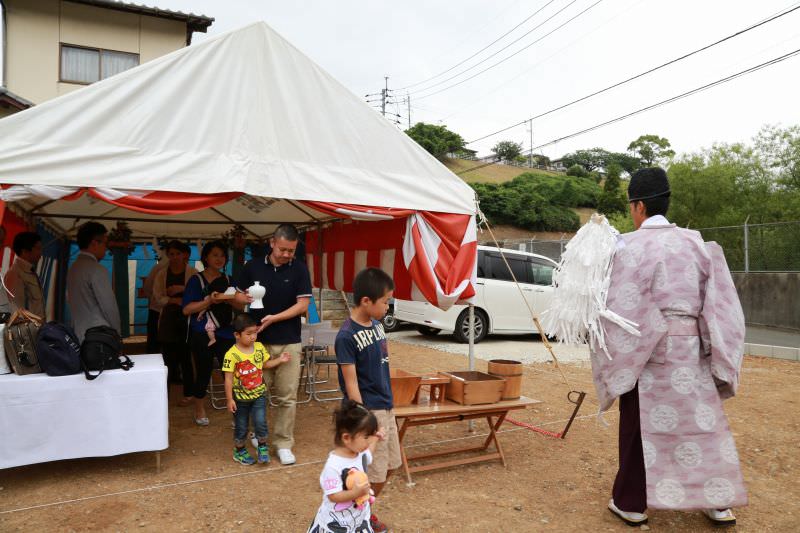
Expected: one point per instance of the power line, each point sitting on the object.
(696, 90)
(510, 56)
(487, 58)
(675, 98)
(519, 74)
(482, 49)
(641, 74)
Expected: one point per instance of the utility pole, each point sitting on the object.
(384, 95)
(530, 157)
(408, 101)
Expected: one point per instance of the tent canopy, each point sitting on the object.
(242, 128)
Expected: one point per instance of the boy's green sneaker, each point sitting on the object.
(241, 455)
(263, 453)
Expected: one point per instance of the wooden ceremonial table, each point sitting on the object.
(448, 411)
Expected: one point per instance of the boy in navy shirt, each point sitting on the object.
(362, 355)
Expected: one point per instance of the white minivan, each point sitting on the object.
(499, 307)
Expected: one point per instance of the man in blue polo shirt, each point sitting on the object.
(288, 294)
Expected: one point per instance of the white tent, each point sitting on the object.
(249, 115)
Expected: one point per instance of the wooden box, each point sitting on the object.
(472, 388)
(404, 386)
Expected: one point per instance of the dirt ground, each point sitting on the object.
(550, 484)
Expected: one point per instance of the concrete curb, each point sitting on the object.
(777, 352)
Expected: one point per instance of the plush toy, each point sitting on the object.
(354, 475)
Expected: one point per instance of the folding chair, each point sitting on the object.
(317, 357)
(216, 390)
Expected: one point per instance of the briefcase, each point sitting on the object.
(19, 341)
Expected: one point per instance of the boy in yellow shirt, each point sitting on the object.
(245, 389)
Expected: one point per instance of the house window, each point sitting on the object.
(88, 65)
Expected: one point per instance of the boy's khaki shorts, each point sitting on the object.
(387, 451)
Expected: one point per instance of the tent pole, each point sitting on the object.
(471, 336)
(472, 349)
(318, 269)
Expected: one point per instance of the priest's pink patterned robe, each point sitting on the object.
(679, 291)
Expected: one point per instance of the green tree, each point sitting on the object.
(599, 158)
(437, 140)
(628, 163)
(611, 200)
(592, 159)
(780, 151)
(578, 171)
(651, 149)
(507, 150)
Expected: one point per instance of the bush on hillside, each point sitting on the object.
(537, 202)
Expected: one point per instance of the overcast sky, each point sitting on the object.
(360, 42)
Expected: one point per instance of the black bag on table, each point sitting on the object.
(102, 350)
(19, 341)
(58, 350)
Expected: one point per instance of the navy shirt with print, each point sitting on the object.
(366, 348)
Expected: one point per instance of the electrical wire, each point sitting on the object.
(484, 48)
(507, 57)
(506, 47)
(674, 98)
(696, 90)
(646, 72)
(505, 84)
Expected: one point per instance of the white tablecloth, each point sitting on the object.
(45, 418)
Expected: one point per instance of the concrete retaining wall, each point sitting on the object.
(770, 298)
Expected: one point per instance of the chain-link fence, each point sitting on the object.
(759, 247)
(748, 248)
(552, 248)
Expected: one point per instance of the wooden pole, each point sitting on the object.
(120, 277)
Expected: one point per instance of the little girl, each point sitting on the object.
(356, 435)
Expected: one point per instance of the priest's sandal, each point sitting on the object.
(632, 519)
(721, 518)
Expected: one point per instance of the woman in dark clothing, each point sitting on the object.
(168, 290)
(203, 300)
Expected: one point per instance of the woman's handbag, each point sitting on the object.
(19, 341)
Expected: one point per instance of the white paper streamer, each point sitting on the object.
(581, 284)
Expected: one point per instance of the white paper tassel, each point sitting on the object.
(581, 287)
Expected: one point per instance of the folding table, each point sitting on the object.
(449, 411)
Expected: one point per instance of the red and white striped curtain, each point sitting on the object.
(151, 202)
(431, 256)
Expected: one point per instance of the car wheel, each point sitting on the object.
(427, 330)
(461, 332)
(390, 323)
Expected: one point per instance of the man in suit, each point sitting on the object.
(22, 281)
(89, 293)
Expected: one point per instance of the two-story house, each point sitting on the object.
(51, 47)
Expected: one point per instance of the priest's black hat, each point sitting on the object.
(648, 183)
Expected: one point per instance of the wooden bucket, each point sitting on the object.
(511, 371)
